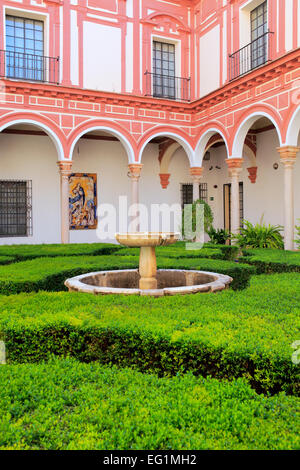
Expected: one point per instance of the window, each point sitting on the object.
(259, 38)
(15, 208)
(187, 193)
(24, 48)
(163, 70)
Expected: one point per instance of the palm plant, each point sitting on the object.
(218, 236)
(260, 236)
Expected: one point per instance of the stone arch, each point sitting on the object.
(112, 128)
(247, 121)
(40, 122)
(172, 133)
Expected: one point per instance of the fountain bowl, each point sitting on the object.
(147, 239)
(169, 282)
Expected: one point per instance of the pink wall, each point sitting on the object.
(186, 22)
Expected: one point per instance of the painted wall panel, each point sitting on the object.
(74, 49)
(289, 24)
(209, 61)
(102, 57)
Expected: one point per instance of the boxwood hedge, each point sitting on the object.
(272, 261)
(25, 252)
(226, 335)
(50, 273)
(66, 405)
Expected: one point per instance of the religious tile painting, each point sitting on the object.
(83, 201)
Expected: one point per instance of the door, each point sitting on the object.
(227, 205)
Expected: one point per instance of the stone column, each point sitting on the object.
(235, 168)
(288, 157)
(135, 174)
(65, 169)
(196, 174)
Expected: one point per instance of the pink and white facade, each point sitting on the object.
(153, 96)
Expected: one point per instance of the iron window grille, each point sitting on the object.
(187, 193)
(162, 82)
(257, 52)
(24, 57)
(15, 208)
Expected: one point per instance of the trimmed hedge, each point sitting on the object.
(26, 252)
(226, 335)
(6, 260)
(50, 273)
(241, 273)
(272, 261)
(175, 252)
(66, 405)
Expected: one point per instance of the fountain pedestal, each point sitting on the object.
(147, 241)
(148, 268)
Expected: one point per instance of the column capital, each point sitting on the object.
(288, 155)
(65, 167)
(135, 170)
(196, 171)
(234, 166)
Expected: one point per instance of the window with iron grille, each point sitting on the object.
(163, 70)
(187, 193)
(15, 208)
(24, 48)
(259, 38)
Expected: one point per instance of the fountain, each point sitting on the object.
(147, 280)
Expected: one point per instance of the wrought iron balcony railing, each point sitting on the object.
(250, 57)
(23, 66)
(168, 87)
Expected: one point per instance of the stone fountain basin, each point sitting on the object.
(170, 282)
(147, 239)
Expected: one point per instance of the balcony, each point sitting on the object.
(23, 66)
(168, 87)
(250, 57)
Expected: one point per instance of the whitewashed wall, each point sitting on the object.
(102, 57)
(34, 158)
(265, 197)
(210, 61)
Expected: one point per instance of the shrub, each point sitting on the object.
(66, 405)
(260, 236)
(218, 236)
(226, 335)
(208, 216)
(272, 261)
(229, 252)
